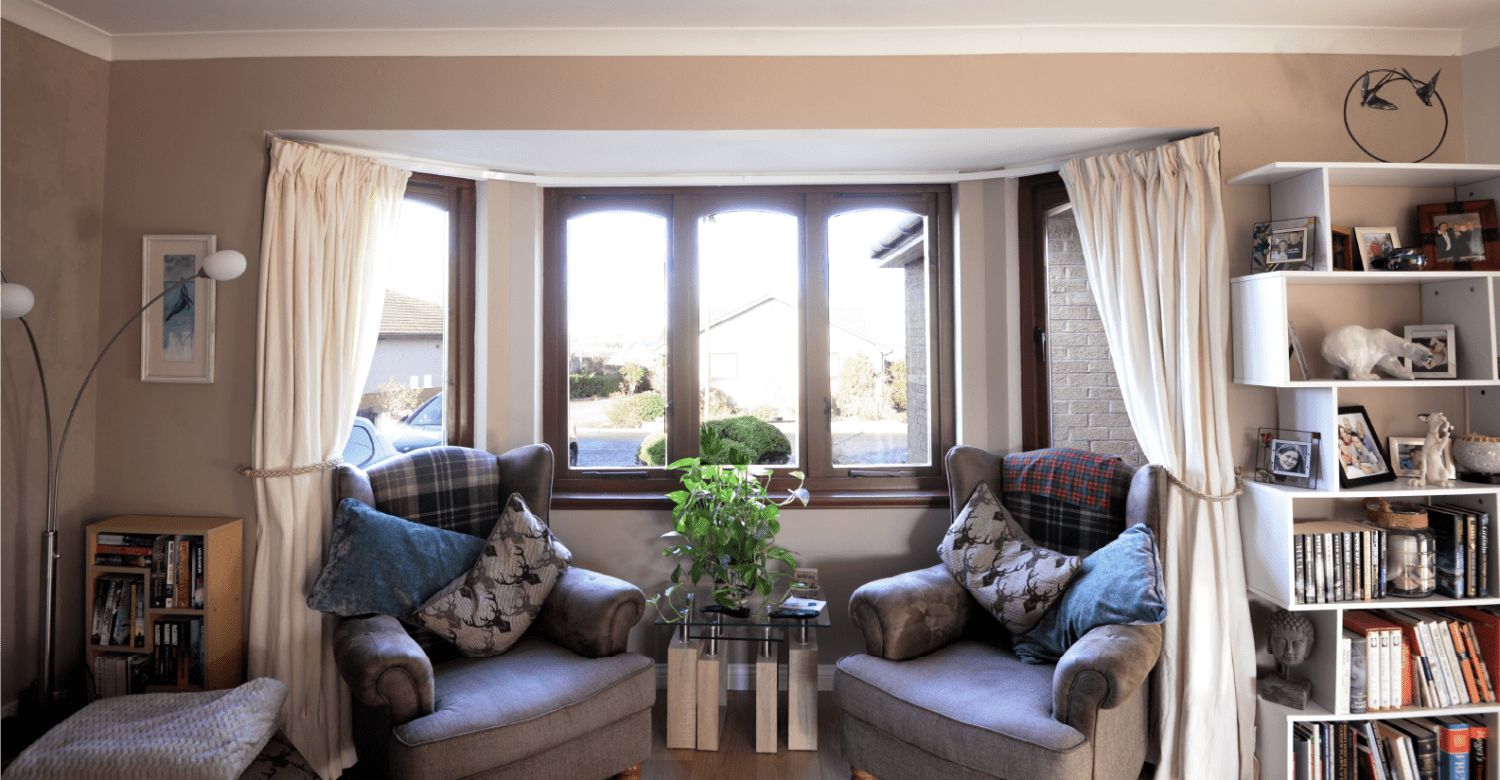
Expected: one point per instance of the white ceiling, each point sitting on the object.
(551, 156)
(177, 29)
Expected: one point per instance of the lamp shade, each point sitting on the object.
(15, 301)
(224, 265)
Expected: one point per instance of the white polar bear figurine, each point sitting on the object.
(1354, 352)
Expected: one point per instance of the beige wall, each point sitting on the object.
(1481, 80)
(54, 108)
(186, 154)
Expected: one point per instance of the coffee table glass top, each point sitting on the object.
(742, 628)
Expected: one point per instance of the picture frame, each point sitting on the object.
(1288, 457)
(1404, 451)
(1439, 339)
(177, 333)
(1341, 251)
(1362, 459)
(1462, 236)
(1368, 239)
(1285, 245)
(1296, 350)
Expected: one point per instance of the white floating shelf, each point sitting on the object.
(1367, 277)
(1374, 174)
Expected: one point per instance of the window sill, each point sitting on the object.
(824, 499)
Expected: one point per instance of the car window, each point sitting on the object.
(431, 415)
(360, 447)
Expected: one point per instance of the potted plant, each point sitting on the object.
(724, 528)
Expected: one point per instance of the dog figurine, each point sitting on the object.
(1355, 352)
(1436, 464)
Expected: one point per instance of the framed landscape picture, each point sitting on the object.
(177, 332)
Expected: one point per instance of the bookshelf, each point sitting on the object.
(1316, 302)
(222, 602)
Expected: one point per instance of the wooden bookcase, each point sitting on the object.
(1317, 302)
(223, 602)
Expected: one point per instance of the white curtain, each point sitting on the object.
(1152, 228)
(330, 223)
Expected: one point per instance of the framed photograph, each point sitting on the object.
(1295, 346)
(1342, 250)
(1285, 245)
(1375, 243)
(1439, 340)
(177, 332)
(1406, 452)
(1362, 461)
(1460, 236)
(1288, 457)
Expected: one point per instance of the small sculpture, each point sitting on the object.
(1355, 352)
(1435, 466)
(1291, 641)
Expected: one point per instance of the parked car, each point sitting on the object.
(421, 428)
(367, 445)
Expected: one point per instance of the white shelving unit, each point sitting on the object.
(1317, 302)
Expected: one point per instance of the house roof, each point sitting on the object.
(407, 316)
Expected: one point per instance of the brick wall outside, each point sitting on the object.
(916, 364)
(1088, 412)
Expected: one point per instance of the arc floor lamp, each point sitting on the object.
(15, 302)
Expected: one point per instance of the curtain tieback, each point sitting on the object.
(1238, 488)
(249, 473)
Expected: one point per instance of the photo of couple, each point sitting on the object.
(1459, 239)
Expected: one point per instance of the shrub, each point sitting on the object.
(650, 405)
(896, 375)
(764, 442)
(716, 404)
(632, 374)
(398, 400)
(767, 412)
(590, 385)
(856, 393)
(653, 450)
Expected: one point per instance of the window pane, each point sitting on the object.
(878, 338)
(617, 339)
(748, 336)
(411, 352)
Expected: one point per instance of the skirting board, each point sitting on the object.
(742, 677)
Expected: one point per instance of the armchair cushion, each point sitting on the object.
(1118, 585)
(379, 564)
(446, 487)
(1008, 574)
(1070, 501)
(485, 610)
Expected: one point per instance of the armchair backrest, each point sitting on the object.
(1070, 501)
(455, 488)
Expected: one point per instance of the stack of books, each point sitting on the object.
(177, 572)
(1337, 561)
(112, 549)
(1463, 565)
(118, 674)
(1435, 748)
(1423, 657)
(178, 656)
(119, 618)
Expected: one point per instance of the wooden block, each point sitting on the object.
(713, 675)
(682, 692)
(765, 703)
(802, 694)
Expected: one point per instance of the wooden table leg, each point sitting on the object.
(712, 695)
(802, 692)
(765, 703)
(682, 691)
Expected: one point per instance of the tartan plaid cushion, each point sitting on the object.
(454, 488)
(1069, 501)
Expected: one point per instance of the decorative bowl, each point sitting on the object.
(1477, 454)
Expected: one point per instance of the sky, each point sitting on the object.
(420, 265)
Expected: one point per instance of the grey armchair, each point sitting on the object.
(565, 702)
(939, 695)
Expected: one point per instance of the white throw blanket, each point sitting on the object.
(211, 735)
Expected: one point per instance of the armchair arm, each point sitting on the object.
(910, 614)
(384, 667)
(1102, 670)
(591, 613)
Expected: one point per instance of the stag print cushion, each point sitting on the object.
(1007, 573)
(487, 609)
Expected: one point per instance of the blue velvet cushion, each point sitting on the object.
(377, 563)
(1120, 584)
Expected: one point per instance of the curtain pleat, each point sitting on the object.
(330, 224)
(1152, 229)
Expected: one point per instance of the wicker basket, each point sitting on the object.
(1402, 514)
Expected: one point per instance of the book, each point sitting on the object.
(1486, 627)
(1392, 663)
(113, 559)
(1479, 747)
(1481, 669)
(1359, 693)
(1377, 760)
(124, 539)
(1483, 573)
(1448, 532)
(118, 549)
(1399, 745)
(1424, 747)
(1453, 747)
(198, 592)
(1302, 751)
(1298, 571)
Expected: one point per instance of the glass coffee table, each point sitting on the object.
(698, 675)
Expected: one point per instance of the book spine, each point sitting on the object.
(1320, 572)
(1341, 682)
(1483, 573)
(1359, 701)
(121, 549)
(1297, 570)
(1481, 669)
(1465, 661)
(125, 540)
(1479, 751)
(169, 574)
(184, 580)
(1381, 559)
(198, 592)
(1357, 540)
(1453, 752)
(112, 559)
(1347, 543)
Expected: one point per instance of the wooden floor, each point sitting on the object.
(736, 758)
